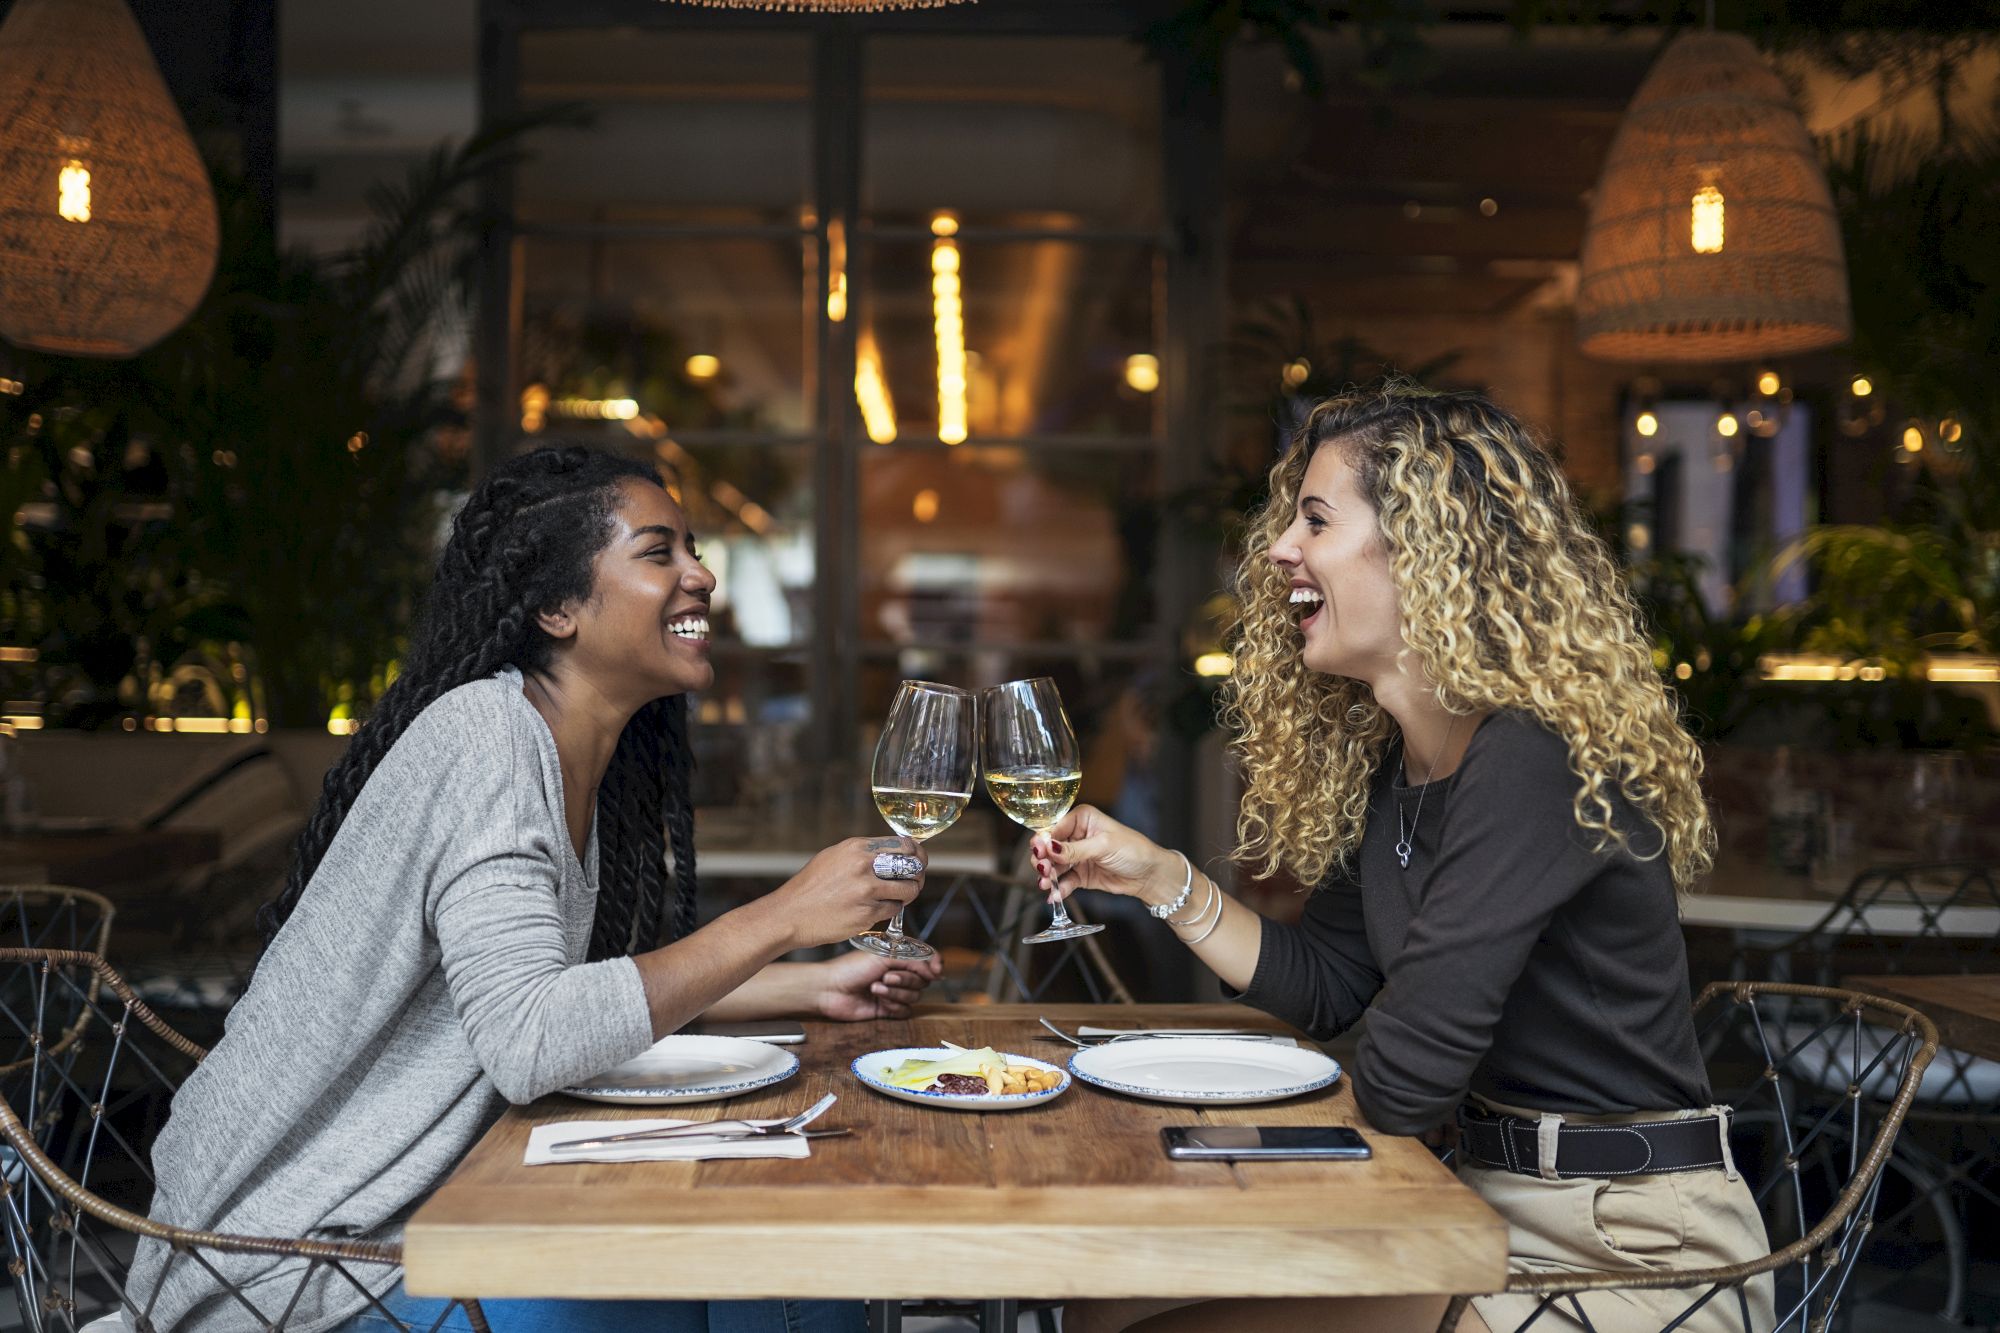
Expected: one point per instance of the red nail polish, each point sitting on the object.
(1055, 845)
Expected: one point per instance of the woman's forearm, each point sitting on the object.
(707, 971)
(1230, 934)
(776, 990)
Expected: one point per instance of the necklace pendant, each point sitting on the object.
(1403, 850)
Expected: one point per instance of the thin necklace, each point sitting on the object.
(1403, 847)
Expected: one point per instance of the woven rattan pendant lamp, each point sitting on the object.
(107, 222)
(1712, 236)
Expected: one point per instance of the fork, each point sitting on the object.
(708, 1129)
(1085, 1043)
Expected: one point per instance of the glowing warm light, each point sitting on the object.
(1913, 439)
(596, 409)
(357, 442)
(1862, 386)
(1645, 463)
(534, 407)
(1726, 425)
(73, 192)
(342, 726)
(1142, 371)
(19, 654)
(925, 507)
(1647, 424)
(1950, 431)
(871, 391)
(1768, 384)
(1214, 664)
(1639, 536)
(1705, 227)
(948, 314)
(22, 721)
(1683, 671)
(1488, 207)
(1296, 372)
(702, 367)
(836, 270)
(1970, 670)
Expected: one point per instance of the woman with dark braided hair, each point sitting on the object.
(481, 912)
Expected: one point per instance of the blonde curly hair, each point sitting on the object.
(1508, 600)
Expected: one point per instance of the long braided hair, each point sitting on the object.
(524, 543)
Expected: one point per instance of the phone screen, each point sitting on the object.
(1234, 1142)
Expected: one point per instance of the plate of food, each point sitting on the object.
(1216, 1071)
(688, 1068)
(961, 1079)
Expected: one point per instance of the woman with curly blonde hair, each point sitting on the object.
(1448, 720)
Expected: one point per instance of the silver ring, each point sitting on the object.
(898, 865)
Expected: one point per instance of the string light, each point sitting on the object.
(948, 315)
(1726, 425)
(1862, 386)
(702, 367)
(871, 391)
(73, 191)
(1768, 384)
(1647, 425)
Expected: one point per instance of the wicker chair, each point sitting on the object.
(87, 1136)
(1814, 1163)
(1912, 919)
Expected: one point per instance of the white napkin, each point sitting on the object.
(1085, 1030)
(542, 1137)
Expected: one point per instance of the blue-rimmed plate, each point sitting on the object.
(872, 1068)
(685, 1068)
(1205, 1071)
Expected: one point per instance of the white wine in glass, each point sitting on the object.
(1033, 771)
(922, 782)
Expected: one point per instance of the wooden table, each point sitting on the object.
(1965, 1008)
(1069, 1199)
(114, 859)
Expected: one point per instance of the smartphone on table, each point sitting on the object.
(779, 1032)
(1256, 1143)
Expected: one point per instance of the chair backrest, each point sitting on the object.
(1923, 917)
(1813, 1157)
(44, 916)
(78, 1134)
(1002, 910)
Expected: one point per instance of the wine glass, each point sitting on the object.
(1032, 769)
(922, 783)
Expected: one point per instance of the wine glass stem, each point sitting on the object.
(1060, 920)
(896, 925)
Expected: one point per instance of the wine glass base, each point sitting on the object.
(892, 946)
(1054, 933)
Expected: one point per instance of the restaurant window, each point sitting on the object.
(679, 273)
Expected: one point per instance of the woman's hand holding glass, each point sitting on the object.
(1088, 849)
(922, 781)
(841, 890)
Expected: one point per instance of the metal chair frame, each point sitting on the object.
(1885, 922)
(48, 1211)
(1811, 1134)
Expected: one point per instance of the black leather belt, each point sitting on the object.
(1657, 1147)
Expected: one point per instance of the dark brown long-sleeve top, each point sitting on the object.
(1508, 959)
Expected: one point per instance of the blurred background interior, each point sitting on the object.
(966, 336)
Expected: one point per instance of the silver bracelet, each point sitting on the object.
(1214, 898)
(1165, 910)
(1213, 924)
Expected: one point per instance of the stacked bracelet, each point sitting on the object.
(1165, 910)
(1213, 904)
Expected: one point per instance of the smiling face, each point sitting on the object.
(643, 632)
(1342, 588)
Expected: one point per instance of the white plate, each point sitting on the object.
(869, 1069)
(1208, 1071)
(684, 1068)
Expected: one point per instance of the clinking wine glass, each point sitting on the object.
(1033, 769)
(922, 783)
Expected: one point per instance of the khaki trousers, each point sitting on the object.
(1689, 1219)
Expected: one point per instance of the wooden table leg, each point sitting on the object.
(999, 1316)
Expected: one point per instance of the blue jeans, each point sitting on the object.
(421, 1313)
